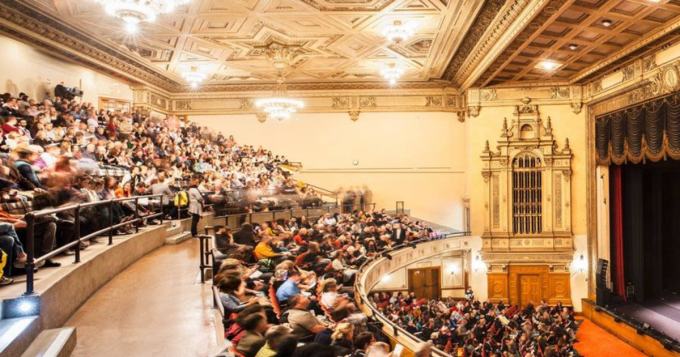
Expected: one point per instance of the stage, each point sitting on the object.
(662, 314)
(627, 330)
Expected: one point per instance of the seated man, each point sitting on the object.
(253, 340)
(289, 288)
(45, 233)
(304, 324)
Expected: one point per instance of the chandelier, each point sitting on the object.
(392, 73)
(194, 77)
(135, 11)
(279, 106)
(398, 32)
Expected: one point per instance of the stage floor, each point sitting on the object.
(662, 314)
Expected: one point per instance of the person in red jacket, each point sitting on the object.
(10, 125)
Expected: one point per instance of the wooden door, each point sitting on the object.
(425, 282)
(530, 289)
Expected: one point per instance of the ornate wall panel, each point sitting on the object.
(498, 287)
(527, 228)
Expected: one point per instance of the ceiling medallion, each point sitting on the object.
(279, 106)
(392, 73)
(134, 12)
(398, 32)
(280, 55)
(194, 77)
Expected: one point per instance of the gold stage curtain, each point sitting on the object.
(648, 131)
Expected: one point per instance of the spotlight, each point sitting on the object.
(21, 307)
(412, 245)
(606, 23)
(388, 256)
(668, 346)
(617, 319)
(598, 309)
(640, 331)
(573, 47)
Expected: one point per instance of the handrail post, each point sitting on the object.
(110, 222)
(30, 256)
(161, 209)
(136, 215)
(202, 248)
(77, 234)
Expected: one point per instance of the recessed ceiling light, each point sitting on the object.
(548, 65)
(573, 46)
(606, 23)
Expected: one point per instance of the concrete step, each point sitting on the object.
(11, 329)
(178, 238)
(58, 342)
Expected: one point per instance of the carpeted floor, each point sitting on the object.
(596, 342)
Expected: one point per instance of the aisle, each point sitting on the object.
(156, 307)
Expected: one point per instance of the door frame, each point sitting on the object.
(439, 274)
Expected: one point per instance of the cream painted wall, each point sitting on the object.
(25, 69)
(418, 158)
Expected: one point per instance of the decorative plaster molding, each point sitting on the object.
(354, 115)
(488, 12)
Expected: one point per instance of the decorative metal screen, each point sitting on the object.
(526, 194)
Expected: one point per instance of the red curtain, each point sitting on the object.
(617, 229)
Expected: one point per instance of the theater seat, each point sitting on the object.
(233, 350)
(274, 301)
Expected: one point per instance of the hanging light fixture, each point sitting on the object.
(133, 12)
(398, 32)
(392, 73)
(280, 106)
(194, 77)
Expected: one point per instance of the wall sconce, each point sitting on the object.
(452, 270)
(477, 263)
(580, 264)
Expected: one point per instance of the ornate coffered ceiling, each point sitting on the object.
(340, 41)
(457, 44)
(634, 25)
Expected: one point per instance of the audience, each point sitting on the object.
(55, 145)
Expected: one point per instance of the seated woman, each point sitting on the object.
(231, 287)
(342, 338)
(329, 294)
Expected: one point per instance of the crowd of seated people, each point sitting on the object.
(468, 327)
(291, 281)
(55, 152)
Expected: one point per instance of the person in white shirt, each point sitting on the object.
(330, 292)
(50, 155)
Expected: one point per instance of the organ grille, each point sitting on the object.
(526, 194)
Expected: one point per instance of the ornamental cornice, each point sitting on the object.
(500, 34)
(486, 15)
(351, 102)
